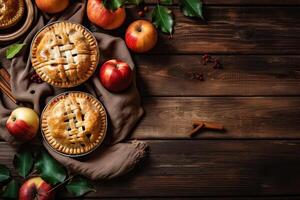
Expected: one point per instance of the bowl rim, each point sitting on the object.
(25, 27)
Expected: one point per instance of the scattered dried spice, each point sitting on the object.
(141, 13)
(142, 10)
(217, 64)
(206, 58)
(196, 76)
(146, 9)
(35, 78)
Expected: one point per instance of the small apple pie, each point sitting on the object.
(64, 54)
(11, 12)
(74, 123)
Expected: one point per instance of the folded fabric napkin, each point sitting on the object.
(124, 109)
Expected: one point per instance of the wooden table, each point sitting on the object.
(255, 95)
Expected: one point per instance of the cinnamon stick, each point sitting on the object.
(7, 92)
(5, 75)
(195, 130)
(5, 85)
(199, 124)
(209, 125)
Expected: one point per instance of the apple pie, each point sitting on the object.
(64, 54)
(11, 12)
(74, 123)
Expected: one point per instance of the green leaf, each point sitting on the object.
(162, 18)
(166, 2)
(79, 186)
(49, 169)
(135, 2)
(113, 4)
(23, 162)
(192, 8)
(11, 190)
(13, 50)
(4, 173)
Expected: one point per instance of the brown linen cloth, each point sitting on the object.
(124, 109)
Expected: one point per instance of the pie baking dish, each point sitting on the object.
(64, 54)
(11, 12)
(8, 35)
(74, 123)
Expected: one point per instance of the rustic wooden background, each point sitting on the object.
(256, 97)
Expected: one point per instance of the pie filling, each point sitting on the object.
(64, 54)
(11, 12)
(74, 123)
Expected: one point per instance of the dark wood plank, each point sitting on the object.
(251, 2)
(170, 75)
(207, 168)
(241, 2)
(234, 30)
(251, 117)
(198, 198)
(212, 168)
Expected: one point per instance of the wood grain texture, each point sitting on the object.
(258, 43)
(193, 198)
(240, 2)
(251, 2)
(170, 75)
(253, 117)
(206, 168)
(232, 30)
(212, 168)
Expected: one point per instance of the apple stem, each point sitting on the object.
(60, 184)
(139, 29)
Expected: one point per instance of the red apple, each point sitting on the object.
(36, 188)
(141, 36)
(23, 123)
(106, 19)
(115, 75)
(52, 6)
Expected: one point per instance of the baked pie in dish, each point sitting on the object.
(64, 54)
(11, 12)
(74, 123)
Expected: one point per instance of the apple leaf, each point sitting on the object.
(4, 173)
(13, 50)
(166, 2)
(113, 4)
(162, 18)
(192, 8)
(11, 190)
(79, 186)
(49, 169)
(23, 162)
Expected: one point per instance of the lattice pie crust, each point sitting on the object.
(11, 11)
(74, 123)
(64, 54)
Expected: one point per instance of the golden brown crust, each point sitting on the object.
(74, 123)
(64, 54)
(11, 12)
